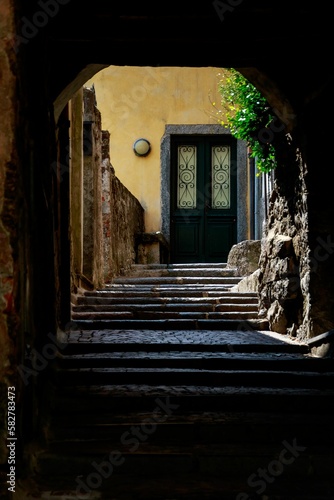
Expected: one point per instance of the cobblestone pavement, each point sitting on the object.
(206, 337)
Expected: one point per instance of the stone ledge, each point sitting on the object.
(145, 243)
(152, 238)
(322, 345)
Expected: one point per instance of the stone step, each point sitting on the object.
(156, 288)
(189, 265)
(200, 360)
(178, 486)
(173, 269)
(177, 280)
(166, 291)
(180, 323)
(183, 434)
(203, 304)
(135, 455)
(254, 377)
(181, 272)
(191, 428)
(101, 401)
(166, 298)
(164, 313)
(196, 340)
(207, 453)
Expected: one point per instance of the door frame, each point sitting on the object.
(241, 169)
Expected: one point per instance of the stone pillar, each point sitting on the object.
(107, 170)
(76, 189)
(92, 192)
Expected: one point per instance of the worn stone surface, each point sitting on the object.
(244, 257)
(76, 197)
(202, 337)
(283, 262)
(122, 219)
(113, 217)
(107, 170)
(92, 191)
(127, 221)
(248, 283)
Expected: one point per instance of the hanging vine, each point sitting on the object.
(247, 114)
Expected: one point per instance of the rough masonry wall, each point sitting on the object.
(112, 216)
(126, 223)
(27, 220)
(297, 258)
(122, 218)
(8, 217)
(92, 192)
(284, 262)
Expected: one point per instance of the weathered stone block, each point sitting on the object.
(277, 318)
(244, 256)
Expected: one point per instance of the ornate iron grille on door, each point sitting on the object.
(220, 177)
(186, 177)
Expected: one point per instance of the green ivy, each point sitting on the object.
(248, 116)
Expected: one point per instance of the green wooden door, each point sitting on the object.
(203, 198)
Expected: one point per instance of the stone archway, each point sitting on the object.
(69, 91)
(62, 54)
(42, 75)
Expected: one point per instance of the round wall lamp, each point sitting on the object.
(142, 147)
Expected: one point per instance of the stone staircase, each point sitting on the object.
(169, 387)
(175, 296)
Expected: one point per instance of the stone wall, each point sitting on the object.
(284, 262)
(127, 222)
(123, 220)
(112, 218)
(92, 191)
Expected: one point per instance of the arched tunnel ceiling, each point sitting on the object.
(279, 39)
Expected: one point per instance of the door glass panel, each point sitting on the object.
(221, 177)
(186, 177)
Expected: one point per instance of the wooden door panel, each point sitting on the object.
(186, 238)
(220, 236)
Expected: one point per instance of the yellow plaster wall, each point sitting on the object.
(138, 102)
